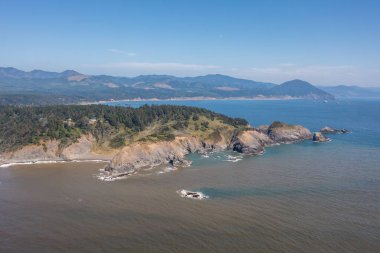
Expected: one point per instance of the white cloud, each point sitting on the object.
(117, 51)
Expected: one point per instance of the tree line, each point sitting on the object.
(24, 125)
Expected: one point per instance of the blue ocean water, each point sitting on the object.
(360, 116)
(349, 160)
(302, 197)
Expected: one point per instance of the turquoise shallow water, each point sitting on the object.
(304, 197)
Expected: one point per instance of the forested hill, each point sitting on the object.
(114, 126)
(40, 87)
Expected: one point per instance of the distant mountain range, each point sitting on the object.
(344, 91)
(70, 86)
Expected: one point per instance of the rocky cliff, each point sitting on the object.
(83, 149)
(141, 154)
(250, 141)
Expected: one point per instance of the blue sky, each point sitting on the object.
(324, 42)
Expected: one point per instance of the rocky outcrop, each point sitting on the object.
(250, 142)
(140, 155)
(262, 129)
(192, 195)
(329, 130)
(281, 132)
(254, 141)
(319, 137)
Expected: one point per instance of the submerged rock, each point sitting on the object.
(319, 137)
(329, 130)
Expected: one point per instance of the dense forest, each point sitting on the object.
(20, 126)
(37, 99)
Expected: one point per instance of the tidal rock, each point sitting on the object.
(191, 195)
(281, 132)
(329, 130)
(319, 137)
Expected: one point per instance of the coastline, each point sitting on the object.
(188, 99)
(11, 164)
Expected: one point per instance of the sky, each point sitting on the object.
(325, 42)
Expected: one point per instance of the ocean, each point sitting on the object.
(303, 197)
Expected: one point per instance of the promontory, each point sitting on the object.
(130, 138)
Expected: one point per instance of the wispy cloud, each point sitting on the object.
(279, 73)
(118, 51)
(160, 66)
(138, 68)
(317, 74)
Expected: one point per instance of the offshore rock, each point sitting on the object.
(329, 130)
(319, 137)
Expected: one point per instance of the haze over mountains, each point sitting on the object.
(352, 91)
(44, 87)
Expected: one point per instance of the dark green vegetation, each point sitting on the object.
(37, 99)
(71, 86)
(20, 126)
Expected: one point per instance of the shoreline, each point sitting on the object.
(11, 164)
(189, 99)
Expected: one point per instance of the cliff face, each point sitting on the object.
(131, 158)
(282, 133)
(254, 141)
(136, 156)
(83, 149)
(139, 155)
(32, 153)
(250, 142)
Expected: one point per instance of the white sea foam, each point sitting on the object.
(109, 178)
(233, 159)
(5, 165)
(167, 169)
(192, 195)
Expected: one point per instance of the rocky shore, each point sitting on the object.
(252, 141)
(131, 158)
